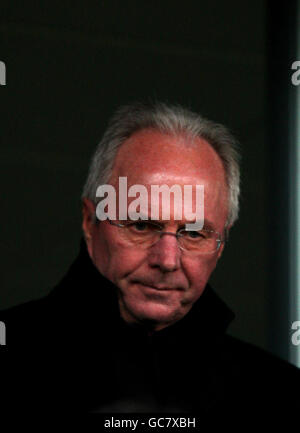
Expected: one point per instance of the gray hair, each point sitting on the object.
(171, 120)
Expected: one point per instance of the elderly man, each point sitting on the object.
(134, 325)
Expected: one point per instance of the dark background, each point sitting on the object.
(71, 64)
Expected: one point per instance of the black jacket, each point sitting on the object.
(72, 351)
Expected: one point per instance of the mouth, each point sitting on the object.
(158, 287)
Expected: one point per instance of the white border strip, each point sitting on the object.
(295, 226)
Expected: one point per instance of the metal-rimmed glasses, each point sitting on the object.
(147, 233)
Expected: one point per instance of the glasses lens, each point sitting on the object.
(145, 234)
(141, 232)
(205, 241)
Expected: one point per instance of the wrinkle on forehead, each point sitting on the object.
(160, 155)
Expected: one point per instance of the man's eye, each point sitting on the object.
(193, 234)
(144, 227)
(140, 226)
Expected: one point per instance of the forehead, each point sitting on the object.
(151, 158)
(149, 155)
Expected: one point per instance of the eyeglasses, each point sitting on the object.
(146, 234)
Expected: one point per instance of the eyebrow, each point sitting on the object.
(209, 225)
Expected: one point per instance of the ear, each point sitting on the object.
(88, 222)
(220, 250)
(225, 235)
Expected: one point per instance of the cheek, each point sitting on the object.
(198, 271)
(124, 261)
(119, 260)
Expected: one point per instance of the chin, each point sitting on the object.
(157, 314)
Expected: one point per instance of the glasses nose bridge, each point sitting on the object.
(162, 233)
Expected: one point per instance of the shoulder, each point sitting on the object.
(22, 311)
(244, 353)
(265, 376)
(24, 322)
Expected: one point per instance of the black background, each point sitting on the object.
(71, 64)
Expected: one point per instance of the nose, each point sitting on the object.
(165, 254)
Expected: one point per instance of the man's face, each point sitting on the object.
(158, 285)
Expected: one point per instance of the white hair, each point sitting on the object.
(167, 119)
